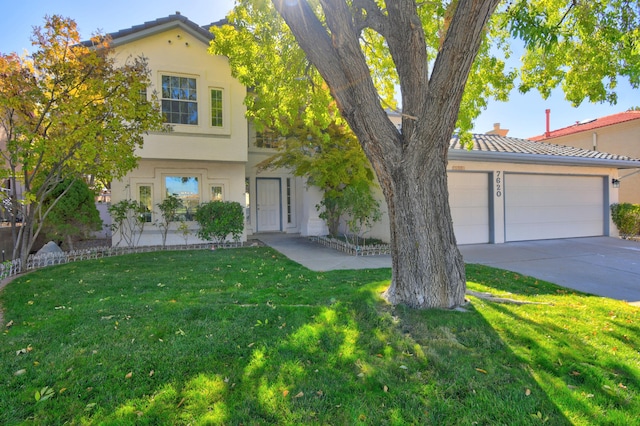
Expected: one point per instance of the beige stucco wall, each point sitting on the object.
(177, 52)
(153, 172)
(622, 139)
(215, 155)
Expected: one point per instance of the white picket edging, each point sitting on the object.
(345, 247)
(35, 261)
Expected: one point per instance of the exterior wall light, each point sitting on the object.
(615, 182)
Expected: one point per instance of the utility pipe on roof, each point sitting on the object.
(595, 141)
(547, 133)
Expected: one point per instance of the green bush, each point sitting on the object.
(74, 215)
(218, 219)
(626, 217)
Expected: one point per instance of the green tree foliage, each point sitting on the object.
(288, 97)
(74, 215)
(333, 162)
(582, 46)
(68, 110)
(219, 219)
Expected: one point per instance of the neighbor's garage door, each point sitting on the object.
(539, 207)
(469, 202)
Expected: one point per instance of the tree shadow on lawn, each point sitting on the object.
(354, 361)
(575, 349)
(311, 349)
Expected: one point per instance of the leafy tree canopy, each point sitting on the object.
(69, 110)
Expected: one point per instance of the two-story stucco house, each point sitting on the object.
(212, 151)
(503, 189)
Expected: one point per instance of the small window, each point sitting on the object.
(216, 193)
(179, 100)
(187, 189)
(268, 139)
(216, 108)
(146, 201)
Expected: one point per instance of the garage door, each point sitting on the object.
(469, 202)
(539, 207)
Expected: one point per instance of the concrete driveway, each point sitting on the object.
(603, 266)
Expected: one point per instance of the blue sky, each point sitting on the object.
(524, 115)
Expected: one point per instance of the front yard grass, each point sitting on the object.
(245, 336)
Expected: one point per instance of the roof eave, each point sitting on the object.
(203, 35)
(508, 157)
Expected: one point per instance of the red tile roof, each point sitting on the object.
(584, 126)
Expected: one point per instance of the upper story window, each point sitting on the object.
(268, 139)
(216, 108)
(179, 100)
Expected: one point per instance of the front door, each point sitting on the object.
(268, 205)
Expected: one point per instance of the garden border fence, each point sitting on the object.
(37, 261)
(355, 250)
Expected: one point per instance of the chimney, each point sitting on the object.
(497, 130)
(547, 133)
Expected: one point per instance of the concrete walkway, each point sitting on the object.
(603, 266)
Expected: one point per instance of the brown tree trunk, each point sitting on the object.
(428, 269)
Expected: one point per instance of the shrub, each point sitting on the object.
(218, 219)
(626, 217)
(74, 215)
(128, 218)
(168, 210)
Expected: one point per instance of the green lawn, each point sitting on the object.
(246, 336)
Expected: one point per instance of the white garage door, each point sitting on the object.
(469, 202)
(539, 207)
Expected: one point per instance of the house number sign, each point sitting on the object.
(498, 184)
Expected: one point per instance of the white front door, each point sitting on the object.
(268, 205)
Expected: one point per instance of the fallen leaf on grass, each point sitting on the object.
(20, 372)
(621, 386)
(527, 392)
(9, 324)
(575, 373)
(151, 373)
(128, 375)
(299, 395)
(285, 392)
(480, 370)
(385, 388)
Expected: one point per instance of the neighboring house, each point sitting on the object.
(503, 189)
(616, 133)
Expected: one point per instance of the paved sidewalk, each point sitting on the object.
(603, 266)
